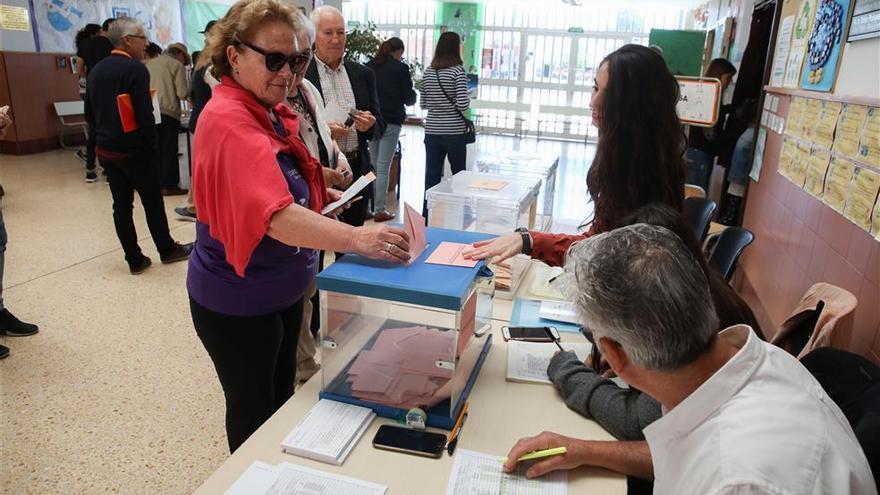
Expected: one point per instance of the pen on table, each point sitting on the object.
(456, 430)
(538, 454)
(550, 334)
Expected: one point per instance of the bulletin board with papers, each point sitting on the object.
(831, 149)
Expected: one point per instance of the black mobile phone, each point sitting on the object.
(399, 439)
(530, 334)
(350, 120)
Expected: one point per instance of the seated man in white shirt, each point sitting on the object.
(740, 415)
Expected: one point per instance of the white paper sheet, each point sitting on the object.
(528, 361)
(474, 473)
(559, 311)
(335, 113)
(350, 193)
(298, 480)
(257, 479)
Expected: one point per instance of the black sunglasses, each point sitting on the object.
(275, 60)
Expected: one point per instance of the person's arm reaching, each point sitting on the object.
(622, 412)
(629, 458)
(295, 225)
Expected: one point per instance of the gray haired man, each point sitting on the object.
(739, 414)
(120, 117)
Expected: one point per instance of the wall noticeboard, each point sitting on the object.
(699, 100)
(682, 50)
(865, 20)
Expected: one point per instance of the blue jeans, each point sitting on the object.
(740, 166)
(381, 153)
(699, 168)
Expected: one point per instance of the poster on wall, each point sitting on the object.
(865, 21)
(825, 45)
(800, 32)
(783, 41)
(57, 21)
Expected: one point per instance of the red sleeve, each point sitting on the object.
(237, 184)
(551, 248)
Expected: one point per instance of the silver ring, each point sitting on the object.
(388, 246)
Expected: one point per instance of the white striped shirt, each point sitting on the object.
(443, 117)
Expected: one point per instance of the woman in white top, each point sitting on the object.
(305, 99)
(444, 96)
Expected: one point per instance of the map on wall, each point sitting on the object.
(57, 21)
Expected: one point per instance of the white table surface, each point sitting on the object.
(501, 412)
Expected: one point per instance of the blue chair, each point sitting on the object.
(731, 243)
(698, 212)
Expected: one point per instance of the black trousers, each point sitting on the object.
(437, 148)
(255, 359)
(360, 165)
(168, 129)
(91, 142)
(137, 173)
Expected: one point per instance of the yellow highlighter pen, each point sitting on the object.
(538, 454)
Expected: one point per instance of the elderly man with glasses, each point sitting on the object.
(120, 117)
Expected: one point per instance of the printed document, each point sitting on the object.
(474, 473)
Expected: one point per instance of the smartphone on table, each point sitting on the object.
(530, 334)
(407, 440)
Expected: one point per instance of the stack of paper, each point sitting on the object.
(527, 362)
(288, 479)
(406, 367)
(328, 432)
(474, 473)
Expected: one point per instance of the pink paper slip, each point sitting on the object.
(414, 225)
(449, 253)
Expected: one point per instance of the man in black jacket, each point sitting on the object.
(120, 115)
(347, 85)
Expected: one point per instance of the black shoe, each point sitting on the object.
(91, 176)
(13, 327)
(179, 252)
(81, 156)
(140, 267)
(184, 213)
(4, 352)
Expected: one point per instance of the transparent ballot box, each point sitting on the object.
(530, 165)
(487, 203)
(397, 337)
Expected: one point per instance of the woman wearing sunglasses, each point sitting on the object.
(258, 196)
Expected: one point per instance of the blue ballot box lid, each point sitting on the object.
(437, 286)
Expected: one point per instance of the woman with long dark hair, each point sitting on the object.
(395, 92)
(639, 159)
(444, 96)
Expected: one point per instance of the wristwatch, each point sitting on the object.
(526, 240)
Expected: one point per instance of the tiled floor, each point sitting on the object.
(116, 393)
